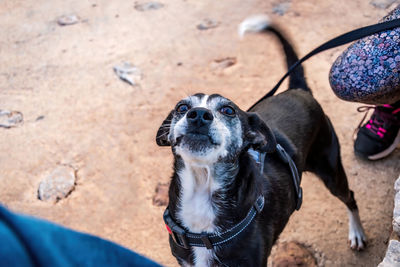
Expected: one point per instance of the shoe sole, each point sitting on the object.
(388, 150)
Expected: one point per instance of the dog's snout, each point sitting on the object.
(199, 117)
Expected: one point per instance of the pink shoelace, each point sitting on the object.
(379, 119)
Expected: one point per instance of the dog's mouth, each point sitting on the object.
(196, 142)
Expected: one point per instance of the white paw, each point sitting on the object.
(357, 238)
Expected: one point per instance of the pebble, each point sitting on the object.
(57, 185)
(223, 63)
(148, 6)
(161, 195)
(396, 225)
(128, 73)
(382, 4)
(66, 20)
(9, 119)
(396, 210)
(292, 254)
(41, 117)
(281, 8)
(207, 24)
(354, 173)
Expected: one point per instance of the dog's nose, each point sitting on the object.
(199, 117)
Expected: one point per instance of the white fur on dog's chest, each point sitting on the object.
(196, 211)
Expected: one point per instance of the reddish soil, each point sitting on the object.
(105, 128)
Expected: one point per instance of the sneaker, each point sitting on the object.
(380, 135)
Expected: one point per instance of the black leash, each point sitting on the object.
(335, 42)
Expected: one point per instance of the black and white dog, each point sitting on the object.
(234, 186)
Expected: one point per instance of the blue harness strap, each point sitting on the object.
(284, 156)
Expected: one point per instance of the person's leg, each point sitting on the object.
(26, 241)
(12, 252)
(378, 137)
(368, 72)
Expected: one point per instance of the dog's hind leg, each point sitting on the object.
(324, 160)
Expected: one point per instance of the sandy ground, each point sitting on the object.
(106, 129)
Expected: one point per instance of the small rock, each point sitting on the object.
(9, 119)
(58, 185)
(68, 20)
(223, 63)
(392, 257)
(161, 196)
(292, 254)
(281, 8)
(148, 6)
(397, 185)
(382, 4)
(396, 210)
(396, 225)
(354, 171)
(41, 117)
(207, 24)
(128, 73)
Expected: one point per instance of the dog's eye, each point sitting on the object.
(182, 108)
(227, 110)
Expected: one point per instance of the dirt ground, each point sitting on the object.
(105, 128)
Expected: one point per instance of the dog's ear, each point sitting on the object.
(259, 136)
(163, 131)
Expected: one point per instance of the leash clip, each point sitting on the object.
(258, 157)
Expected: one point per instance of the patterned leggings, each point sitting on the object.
(368, 71)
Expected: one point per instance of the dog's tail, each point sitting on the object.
(261, 23)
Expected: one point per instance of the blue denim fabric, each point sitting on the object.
(27, 241)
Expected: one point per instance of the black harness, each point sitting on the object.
(185, 239)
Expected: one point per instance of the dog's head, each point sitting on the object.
(209, 128)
